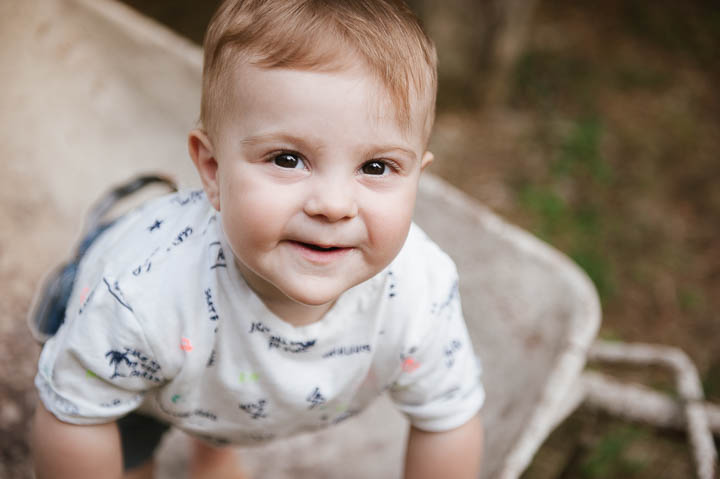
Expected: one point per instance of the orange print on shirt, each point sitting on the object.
(186, 345)
(410, 365)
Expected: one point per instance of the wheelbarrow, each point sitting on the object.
(95, 93)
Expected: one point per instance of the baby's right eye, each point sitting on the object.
(289, 160)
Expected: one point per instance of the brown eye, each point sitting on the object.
(374, 168)
(288, 160)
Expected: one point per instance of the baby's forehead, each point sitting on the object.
(378, 100)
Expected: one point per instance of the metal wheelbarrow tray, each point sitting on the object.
(94, 93)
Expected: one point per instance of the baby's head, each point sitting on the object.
(381, 36)
(315, 119)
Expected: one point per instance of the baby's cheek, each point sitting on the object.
(388, 231)
(258, 209)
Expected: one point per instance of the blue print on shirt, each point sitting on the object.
(86, 301)
(117, 293)
(133, 363)
(192, 197)
(255, 410)
(211, 305)
(182, 236)
(348, 350)
(279, 342)
(155, 226)
(212, 219)
(205, 414)
(315, 398)
(145, 267)
(118, 402)
(391, 288)
(444, 307)
(217, 256)
(450, 351)
(344, 416)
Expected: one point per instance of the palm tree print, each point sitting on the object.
(116, 359)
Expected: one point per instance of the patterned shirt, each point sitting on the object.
(161, 321)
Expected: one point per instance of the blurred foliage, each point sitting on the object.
(547, 79)
(189, 18)
(606, 448)
(609, 457)
(691, 28)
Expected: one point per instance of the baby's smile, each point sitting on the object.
(320, 254)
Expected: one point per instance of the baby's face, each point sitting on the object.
(315, 180)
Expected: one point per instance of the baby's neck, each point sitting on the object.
(297, 314)
(282, 306)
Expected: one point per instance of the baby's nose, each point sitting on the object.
(332, 200)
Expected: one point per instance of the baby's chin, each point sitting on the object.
(315, 298)
(319, 293)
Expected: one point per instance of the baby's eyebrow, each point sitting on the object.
(394, 148)
(304, 143)
(267, 137)
(279, 137)
(288, 140)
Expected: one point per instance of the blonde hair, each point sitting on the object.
(314, 35)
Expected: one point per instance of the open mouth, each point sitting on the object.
(319, 248)
(320, 254)
(315, 247)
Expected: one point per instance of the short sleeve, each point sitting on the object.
(99, 365)
(439, 386)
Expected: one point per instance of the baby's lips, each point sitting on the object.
(321, 246)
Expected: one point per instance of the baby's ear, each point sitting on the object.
(427, 158)
(202, 154)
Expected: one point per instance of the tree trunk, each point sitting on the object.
(478, 43)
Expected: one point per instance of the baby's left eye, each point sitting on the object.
(289, 160)
(377, 168)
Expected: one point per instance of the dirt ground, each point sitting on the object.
(607, 147)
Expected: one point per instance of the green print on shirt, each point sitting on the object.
(248, 377)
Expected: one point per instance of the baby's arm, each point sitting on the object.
(454, 454)
(65, 450)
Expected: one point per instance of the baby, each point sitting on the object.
(293, 290)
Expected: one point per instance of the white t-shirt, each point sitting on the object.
(161, 321)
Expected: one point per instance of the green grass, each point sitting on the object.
(567, 207)
(639, 78)
(579, 152)
(546, 79)
(692, 300)
(610, 457)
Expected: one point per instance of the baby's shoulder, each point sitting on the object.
(420, 293)
(419, 278)
(156, 251)
(163, 228)
(422, 265)
(149, 272)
